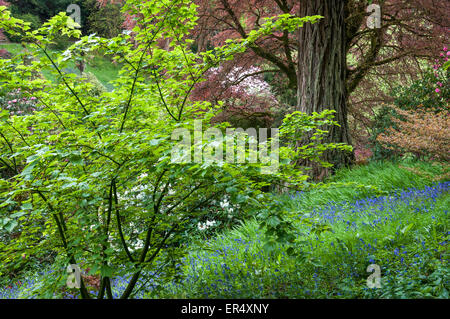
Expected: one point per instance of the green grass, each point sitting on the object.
(405, 235)
(379, 177)
(13, 48)
(101, 67)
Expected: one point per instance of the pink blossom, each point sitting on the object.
(33, 98)
(445, 48)
(14, 101)
(439, 83)
(437, 90)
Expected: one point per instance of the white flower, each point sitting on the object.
(210, 223)
(143, 175)
(224, 203)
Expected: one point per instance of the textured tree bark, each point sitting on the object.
(322, 70)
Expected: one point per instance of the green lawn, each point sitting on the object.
(101, 67)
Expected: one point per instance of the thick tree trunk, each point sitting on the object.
(322, 70)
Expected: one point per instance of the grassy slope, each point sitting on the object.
(385, 176)
(101, 67)
(405, 234)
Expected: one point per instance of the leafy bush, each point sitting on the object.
(97, 87)
(432, 91)
(425, 133)
(423, 91)
(34, 21)
(105, 21)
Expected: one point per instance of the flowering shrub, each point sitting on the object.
(4, 54)
(421, 132)
(248, 99)
(18, 104)
(432, 91)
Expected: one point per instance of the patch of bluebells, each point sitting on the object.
(381, 209)
(27, 288)
(241, 268)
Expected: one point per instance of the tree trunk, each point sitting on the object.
(322, 70)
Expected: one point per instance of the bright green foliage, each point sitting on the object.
(297, 126)
(92, 178)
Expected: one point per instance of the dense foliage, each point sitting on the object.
(94, 179)
(425, 102)
(425, 133)
(404, 231)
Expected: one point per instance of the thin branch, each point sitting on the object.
(119, 224)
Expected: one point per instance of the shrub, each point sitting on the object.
(423, 91)
(5, 54)
(105, 21)
(425, 133)
(97, 87)
(34, 20)
(432, 91)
